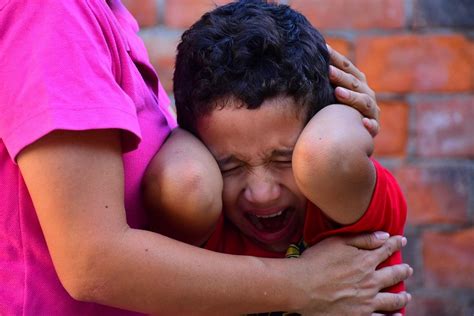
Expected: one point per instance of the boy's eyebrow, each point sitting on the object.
(285, 153)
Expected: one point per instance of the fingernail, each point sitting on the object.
(411, 270)
(332, 72)
(382, 235)
(404, 241)
(329, 47)
(343, 93)
(409, 296)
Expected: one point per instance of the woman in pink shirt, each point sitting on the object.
(81, 115)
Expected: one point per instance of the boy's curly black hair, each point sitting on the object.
(250, 50)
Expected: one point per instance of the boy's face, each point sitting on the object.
(254, 149)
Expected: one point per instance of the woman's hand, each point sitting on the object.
(346, 276)
(352, 89)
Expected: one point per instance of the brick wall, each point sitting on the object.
(419, 57)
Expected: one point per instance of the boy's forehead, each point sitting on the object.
(275, 124)
(234, 104)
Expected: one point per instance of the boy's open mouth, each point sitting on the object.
(271, 223)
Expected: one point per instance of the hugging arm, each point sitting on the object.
(76, 183)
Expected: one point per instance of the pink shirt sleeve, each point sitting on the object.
(60, 75)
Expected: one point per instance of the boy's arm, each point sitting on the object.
(332, 166)
(182, 189)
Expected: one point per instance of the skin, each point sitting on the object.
(340, 159)
(192, 218)
(72, 176)
(358, 99)
(261, 153)
(352, 89)
(254, 149)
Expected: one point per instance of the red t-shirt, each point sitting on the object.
(386, 212)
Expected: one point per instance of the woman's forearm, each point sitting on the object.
(147, 272)
(75, 180)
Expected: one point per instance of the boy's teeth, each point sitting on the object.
(269, 216)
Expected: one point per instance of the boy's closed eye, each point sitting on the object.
(230, 169)
(282, 162)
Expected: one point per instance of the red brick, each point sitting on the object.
(444, 127)
(145, 11)
(341, 45)
(352, 14)
(406, 63)
(449, 259)
(162, 51)
(183, 13)
(442, 13)
(392, 139)
(435, 195)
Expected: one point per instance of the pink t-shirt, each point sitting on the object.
(71, 65)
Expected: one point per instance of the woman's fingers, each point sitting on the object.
(362, 102)
(392, 245)
(368, 241)
(352, 89)
(391, 275)
(349, 81)
(341, 62)
(372, 125)
(388, 302)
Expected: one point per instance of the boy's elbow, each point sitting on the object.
(185, 200)
(319, 164)
(312, 157)
(191, 183)
(203, 192)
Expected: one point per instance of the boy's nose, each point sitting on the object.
(261, 187)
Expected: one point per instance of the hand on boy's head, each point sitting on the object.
(372, 125)
(352, 89)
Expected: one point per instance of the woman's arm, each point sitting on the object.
(76, 183)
